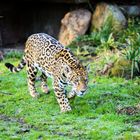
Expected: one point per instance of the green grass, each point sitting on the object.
(96, 116)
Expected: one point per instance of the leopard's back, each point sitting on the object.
(42, 45)
(41, 50)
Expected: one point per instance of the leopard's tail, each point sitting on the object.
(14, 69)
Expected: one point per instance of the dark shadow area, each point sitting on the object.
(19, 19)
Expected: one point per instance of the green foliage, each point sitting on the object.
(132, 50)
(95, 116)
(108, 44)
(106, 38)
(132, 29)
(14, 54)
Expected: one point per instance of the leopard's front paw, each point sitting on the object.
(35, 95)
(71, 95)
(45, 89)
(66, 109)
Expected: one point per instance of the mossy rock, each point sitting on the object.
(122, 68)
(105, 12)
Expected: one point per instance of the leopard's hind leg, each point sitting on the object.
(32, 72)
(44, 86)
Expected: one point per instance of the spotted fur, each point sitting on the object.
(44, 53)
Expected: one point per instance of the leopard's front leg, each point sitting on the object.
(61, 96)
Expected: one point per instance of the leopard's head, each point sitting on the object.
(80, 80)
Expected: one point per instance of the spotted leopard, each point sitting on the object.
(44, 53)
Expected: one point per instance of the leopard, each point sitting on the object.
(45, 54)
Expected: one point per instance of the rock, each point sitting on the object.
(131, 10)
(74, 23)
(1, 56)
(105, 12)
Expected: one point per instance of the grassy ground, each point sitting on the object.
(109, 110)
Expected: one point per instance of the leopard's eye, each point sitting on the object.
(76, 81)
(86, 80)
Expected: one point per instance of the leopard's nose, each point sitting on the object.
(83, 90)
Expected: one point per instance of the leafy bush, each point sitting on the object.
(108, 44)
(132, 53)
(106, 38)
(14, 54)
(130, 40)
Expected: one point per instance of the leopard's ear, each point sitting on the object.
(88, 68)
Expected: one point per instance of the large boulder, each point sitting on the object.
(1, 55)
(105, 12)
(131, 10)
(74, 23)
